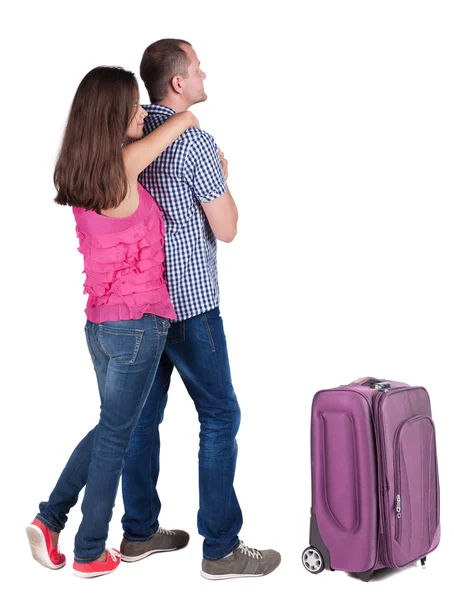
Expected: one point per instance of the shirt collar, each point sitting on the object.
(159, 109)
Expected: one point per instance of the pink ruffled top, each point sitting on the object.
(124, 263)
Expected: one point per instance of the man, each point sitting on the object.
(188, 182)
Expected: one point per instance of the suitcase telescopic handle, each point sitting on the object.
(371, 382)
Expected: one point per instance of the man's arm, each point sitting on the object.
(222, 216)
(206, 172)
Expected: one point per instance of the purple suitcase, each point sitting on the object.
(375, 489)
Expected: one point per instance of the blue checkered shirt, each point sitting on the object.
(185, 175)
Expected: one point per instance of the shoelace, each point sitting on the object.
(252, 552)
(165, 531)
(114, 554)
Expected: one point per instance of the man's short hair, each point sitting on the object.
(161, 61)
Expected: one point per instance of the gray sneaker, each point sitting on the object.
(243, 562)
(164, 540)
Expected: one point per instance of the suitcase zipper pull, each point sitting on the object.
(398, 507)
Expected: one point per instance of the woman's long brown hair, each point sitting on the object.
(90, 172)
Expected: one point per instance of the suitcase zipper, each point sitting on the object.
(398, 519)
(381, 453)
(382, 485)
(398, 502)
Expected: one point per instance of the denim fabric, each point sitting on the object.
(125, 356)
(197, 348)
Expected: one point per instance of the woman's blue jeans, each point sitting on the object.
(125, 356)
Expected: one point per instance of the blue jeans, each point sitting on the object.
(197, 348)
(125, 356)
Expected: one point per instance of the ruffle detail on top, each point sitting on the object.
(124, 263)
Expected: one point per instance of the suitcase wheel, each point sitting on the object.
(313, 560)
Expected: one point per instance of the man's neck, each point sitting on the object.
(174, 103)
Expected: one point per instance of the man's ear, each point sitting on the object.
(175, 83)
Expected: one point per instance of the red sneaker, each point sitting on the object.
(96, 567)
(41, 546)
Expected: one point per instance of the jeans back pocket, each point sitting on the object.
(120, 344)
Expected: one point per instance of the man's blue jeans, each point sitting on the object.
(125, 356)
(197, 348)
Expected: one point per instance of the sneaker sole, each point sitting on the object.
(142, 556)
(230, 575)
(91, 575)
(271, 567)
(38, 547)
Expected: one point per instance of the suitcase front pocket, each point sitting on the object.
(415, 485)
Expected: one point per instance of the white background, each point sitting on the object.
(337, 121)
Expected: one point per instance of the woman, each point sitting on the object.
(120, 230)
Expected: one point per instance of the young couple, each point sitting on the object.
(129, 200)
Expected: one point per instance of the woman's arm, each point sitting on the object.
(140, 154)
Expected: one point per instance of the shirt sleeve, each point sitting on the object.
(203, 170)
